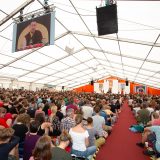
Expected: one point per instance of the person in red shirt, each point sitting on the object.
(2, 117)
(1, 103)
(71, 105)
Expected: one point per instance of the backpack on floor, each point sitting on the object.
(137, 128)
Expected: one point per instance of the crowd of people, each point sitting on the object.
(55, 125)
(147, 113)
(68, 125)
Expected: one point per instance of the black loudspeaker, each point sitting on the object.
(92, 82)
(107, 19)
(126, 82)
(62, 87)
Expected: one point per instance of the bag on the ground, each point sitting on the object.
(137, 128)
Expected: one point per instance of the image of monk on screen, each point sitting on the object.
(34, 36)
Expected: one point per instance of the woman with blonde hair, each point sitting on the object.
(55, 121)
(42, 150)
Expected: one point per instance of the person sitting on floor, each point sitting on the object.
(143, 116)
(80, 139)
(68, 122)
(7, 143)
(59, 153)
(43, 127)
(155, 120)
(30, 140)
(93, 141)
(151, 134)
(3, 121)
(21, 128)
(42, 150)
(99, 123)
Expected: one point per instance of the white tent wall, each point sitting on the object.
(121, 87)
(115, 87)
(5, 83)
(106, 86)
(127, 89)
(96, 88)
(14, 84)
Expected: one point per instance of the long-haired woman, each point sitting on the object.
(42, 150)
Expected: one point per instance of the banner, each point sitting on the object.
(123, 86)
(101, 87)
(140, 89)
(110, 84)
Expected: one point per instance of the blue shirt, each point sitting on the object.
(104, 115)
(156, 130)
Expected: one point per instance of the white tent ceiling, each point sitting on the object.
(133, 53)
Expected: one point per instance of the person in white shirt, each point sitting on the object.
(80, 139)
(87, 109)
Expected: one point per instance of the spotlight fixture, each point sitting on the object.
(21, 15)
(21, 18)
(46, 6)
(32, 16)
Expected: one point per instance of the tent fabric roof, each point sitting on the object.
(133, 53)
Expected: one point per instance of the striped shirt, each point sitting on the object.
(67, 123)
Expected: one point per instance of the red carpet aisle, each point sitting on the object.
(121, 144)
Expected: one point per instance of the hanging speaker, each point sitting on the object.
(62, 87)
(126, 82)
(107, 19)
(92, 82)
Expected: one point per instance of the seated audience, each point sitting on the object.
(7, 143)
(143, 115)
(151, 134)
(59, 114)
(99, 123)
(21, 128)
(3, 121)
(30, 140)
(93, 141)
(59, 153)
(43, 127)
(54, 120)
(87, 109)
(80, 139)
(71, 105)
(32, 109)
(42, 150)
(155, 119)
(68, 122)
(40, 110)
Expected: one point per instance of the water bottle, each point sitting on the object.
(57, 142)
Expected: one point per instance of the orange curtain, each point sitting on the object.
(153, 91)
(90, 88)
(86, 88)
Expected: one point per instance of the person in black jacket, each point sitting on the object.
(7, 142)
(34, 36)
